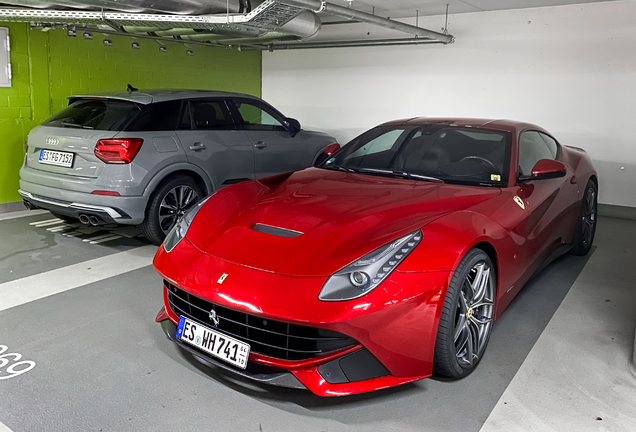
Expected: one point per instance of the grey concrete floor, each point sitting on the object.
(102, 364)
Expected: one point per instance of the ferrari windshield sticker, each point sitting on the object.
(495, 177)
(520, 202)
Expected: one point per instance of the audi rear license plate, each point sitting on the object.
(58, 158)
(212, 342)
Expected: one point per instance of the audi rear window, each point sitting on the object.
(98, 114)
(160, 116)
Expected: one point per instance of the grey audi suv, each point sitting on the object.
(145, 157)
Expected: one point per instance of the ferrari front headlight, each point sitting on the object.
(364, 275)
(179, 230)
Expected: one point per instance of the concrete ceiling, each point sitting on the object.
(407, 8)
(260, 29)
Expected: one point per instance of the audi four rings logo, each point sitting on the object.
(52, 141)
(214, 318)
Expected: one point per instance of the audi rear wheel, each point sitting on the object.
(167, 204)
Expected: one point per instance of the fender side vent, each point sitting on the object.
(280, 232)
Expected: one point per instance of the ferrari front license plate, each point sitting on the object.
(212, 342)
(51, 157)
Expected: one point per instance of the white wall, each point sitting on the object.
(569, 69)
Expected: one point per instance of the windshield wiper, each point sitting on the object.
(78, 126)
(374, 170)
(422, 177)
(338, 167)
(400, 174)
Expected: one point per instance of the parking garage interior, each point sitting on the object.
(78, 301)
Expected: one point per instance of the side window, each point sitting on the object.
(532, 148)
(210, 114)
(380, 144)
(186, 119)
(257, 117)
(552, 144)
(161, 116)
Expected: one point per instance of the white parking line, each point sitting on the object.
(49, 223)
(58, 229)
(72, 234)
(20, 214)
(99, 237)
(110, 238)
(44, 221)
(31, 288)
(4, 428)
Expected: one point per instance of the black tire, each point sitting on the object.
(67, 219)
(586, 224)
(178, 194)
(467, 317)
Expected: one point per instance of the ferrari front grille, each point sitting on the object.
(268, 337)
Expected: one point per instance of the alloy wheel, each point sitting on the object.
(175, 204)
(589, 216)
(474, 315)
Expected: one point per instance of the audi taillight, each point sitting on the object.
(118, 150)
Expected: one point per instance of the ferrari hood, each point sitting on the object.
(316, 221)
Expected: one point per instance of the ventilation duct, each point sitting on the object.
(262, 18)
(180, 7)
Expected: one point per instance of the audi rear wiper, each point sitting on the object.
(78, 126)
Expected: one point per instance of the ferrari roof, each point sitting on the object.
(499, 124)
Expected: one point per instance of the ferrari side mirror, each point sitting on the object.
(329, 150)
(548, 169)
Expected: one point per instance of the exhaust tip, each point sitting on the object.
(93, 220)
(84, 219)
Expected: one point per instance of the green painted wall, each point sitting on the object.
(50, 66)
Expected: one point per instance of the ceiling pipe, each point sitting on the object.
(319, 6)
(209, 37)
(268, 38)
(341, 44)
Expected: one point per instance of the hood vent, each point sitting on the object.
(279, 232)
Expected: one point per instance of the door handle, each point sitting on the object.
(260, 144)
(197, 146)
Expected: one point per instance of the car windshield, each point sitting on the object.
(441, 153)
(98, 114)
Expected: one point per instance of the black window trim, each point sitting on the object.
(524, 178)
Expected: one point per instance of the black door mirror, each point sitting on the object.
(292, 125)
